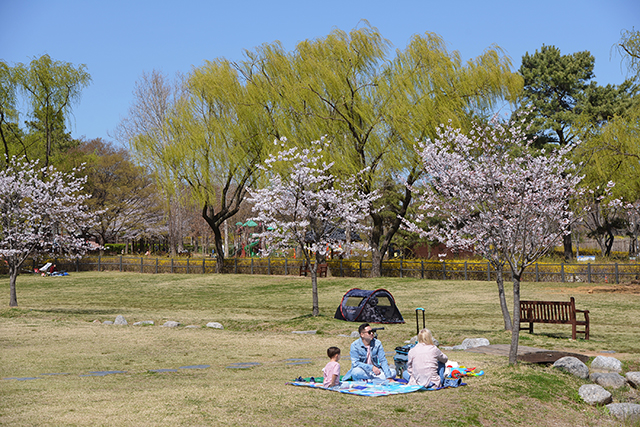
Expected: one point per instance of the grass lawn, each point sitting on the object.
(53, 332)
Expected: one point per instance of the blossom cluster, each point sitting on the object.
(304, 204)
(490, 191)
(42, 210)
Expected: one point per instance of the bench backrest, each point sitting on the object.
(551, 311)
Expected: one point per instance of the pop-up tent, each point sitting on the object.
(359, 305)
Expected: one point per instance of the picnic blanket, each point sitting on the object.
(371, 388)
(376, 387)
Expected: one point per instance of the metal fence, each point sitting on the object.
(422, 269)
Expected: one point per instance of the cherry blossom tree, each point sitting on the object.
(491, 192)
(305, 206)
(41, 211)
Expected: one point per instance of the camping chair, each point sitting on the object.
(47, 269)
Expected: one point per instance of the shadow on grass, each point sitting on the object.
(76, 311)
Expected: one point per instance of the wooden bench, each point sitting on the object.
(322, 270)
(559, 312)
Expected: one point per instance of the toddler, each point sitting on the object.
(331, 372)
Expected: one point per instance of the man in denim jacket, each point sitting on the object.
(368, 360)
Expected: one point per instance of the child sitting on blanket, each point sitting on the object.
(331, 371)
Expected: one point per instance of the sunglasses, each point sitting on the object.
(369, 332)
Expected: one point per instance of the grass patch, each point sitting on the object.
(53, 332)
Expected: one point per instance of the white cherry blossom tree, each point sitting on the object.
(490, 192)
(305, 206)
(42, 211)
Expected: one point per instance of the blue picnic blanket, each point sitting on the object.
(371, 388)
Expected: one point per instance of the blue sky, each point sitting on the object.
(119, 40)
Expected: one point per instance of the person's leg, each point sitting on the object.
(358, 374)
(441, 369)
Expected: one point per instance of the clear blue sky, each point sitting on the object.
(119, 40)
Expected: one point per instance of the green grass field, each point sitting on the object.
(53, 332)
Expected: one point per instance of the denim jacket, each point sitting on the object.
(358, 355)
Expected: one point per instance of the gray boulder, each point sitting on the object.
(608, 379)
(144, 323)
(120, 320)
(633, 378)
(594, 394)
(606, 363)
(355, 334)
(625, 411)
(472, 343)
(215, 325)
(573, 366)
(304, 332)
(170, 324)
(107, 322)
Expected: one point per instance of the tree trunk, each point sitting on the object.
(314, 289)
(568, 248)
(503, 300)
(515, 331)
(217, 241)
(13, 275)
(374, 242)
(608, 242)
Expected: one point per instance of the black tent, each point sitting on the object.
(359, 305)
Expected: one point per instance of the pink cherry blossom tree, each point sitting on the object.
(490, 192)
(42, 210)
(305, 206)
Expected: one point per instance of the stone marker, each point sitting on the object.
(472, 343)
(215, 325)
(594, 394)
(144, 323)
(573, 366)
(120, 320)
(608, 379)
(625, 411)
(633, 378)
(170, 324)
(606, 363)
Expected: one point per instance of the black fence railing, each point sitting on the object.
(423, 269)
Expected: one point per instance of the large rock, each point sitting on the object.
(625, 411)
(573, 366)
(472, 343)
(606, 363)
(215, 325)
(120, 320)
(608, 379)
(594, 394)
(633, 378)
(170, 324)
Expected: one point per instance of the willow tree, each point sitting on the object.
(374, 109)
(51, 87)
(217, 141)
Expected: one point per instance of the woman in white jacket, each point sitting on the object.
(426, 363)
